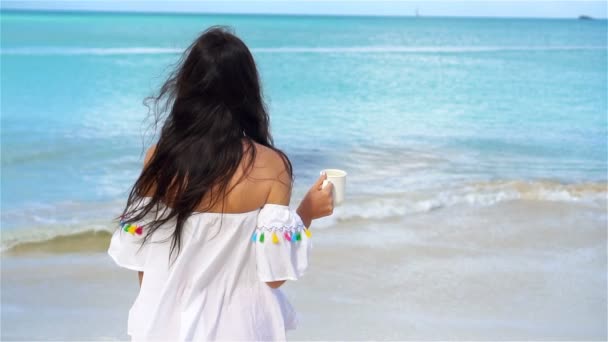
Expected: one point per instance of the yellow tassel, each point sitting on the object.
(275, 238)
(308, 233)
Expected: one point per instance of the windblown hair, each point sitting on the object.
(214, 113)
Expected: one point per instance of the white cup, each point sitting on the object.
(338, 179)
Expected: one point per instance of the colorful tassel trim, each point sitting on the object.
(307, 232)
(132, 229)
(275, 238)
(287, 236)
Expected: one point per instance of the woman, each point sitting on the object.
(207, 224)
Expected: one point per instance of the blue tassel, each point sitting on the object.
(254, 237)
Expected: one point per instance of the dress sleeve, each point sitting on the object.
(282, 244)
(125, 246)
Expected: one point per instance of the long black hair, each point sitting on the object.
(214, 113)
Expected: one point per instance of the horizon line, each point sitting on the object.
(194, 13)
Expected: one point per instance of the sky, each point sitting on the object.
(536, 8)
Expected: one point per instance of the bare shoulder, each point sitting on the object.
(270, 162)
(272, 166)
(149, 154)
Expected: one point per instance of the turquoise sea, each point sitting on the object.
(480, 142)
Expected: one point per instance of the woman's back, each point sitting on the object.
(266, 181)
(216, 287)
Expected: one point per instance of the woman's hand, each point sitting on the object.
(318, 202)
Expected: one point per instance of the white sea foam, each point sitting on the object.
(424, 49)
(42, 224)
(69, 51)
(480, 194)
(110, 51)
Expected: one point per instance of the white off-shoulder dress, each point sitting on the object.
(215, 289)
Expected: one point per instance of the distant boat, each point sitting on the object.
(584, 17)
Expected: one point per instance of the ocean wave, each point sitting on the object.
(71, 51)
(90, 240)
(480, 194)
(40, 222)
(95, 236)
(111, 51)
(423, 49)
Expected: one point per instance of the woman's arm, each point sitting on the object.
(149, 154)
(317, 203)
